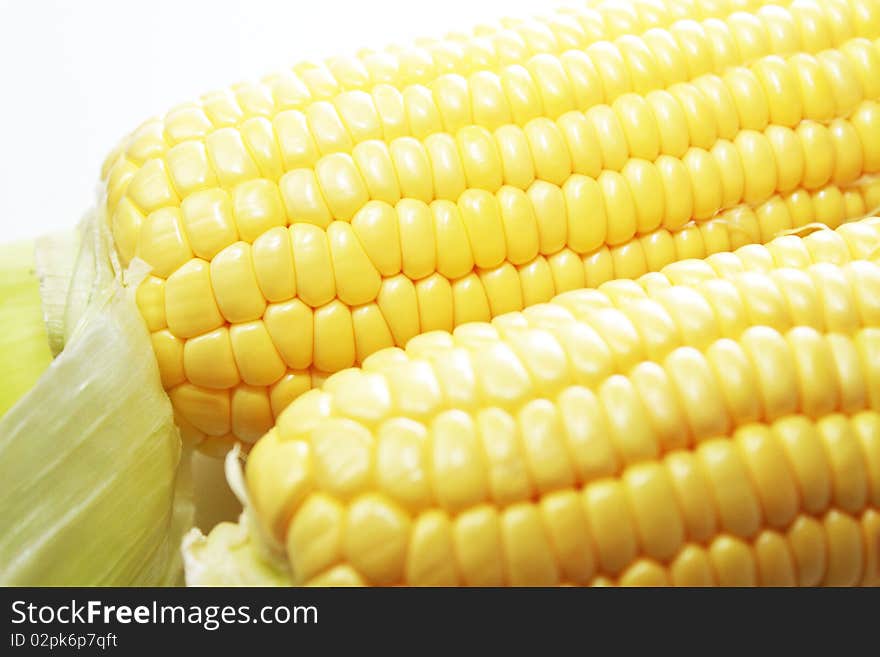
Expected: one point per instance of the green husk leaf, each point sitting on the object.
(24, 349)
(56, 256)
(233, 554)
(89, 456)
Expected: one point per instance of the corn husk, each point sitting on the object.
(96, 489)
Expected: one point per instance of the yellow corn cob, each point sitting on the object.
(644, 432)
(292, 234)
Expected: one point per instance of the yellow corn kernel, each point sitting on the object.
(207, 410)
(773, 559)
(413, 169)
(208, 360)
(375, 539)
(478, 540)
(229, 157)
(290, 325)
(849, 485)
(446, 167)
(326, 126)
(738, 507)
(416, 239)
(528, 554)
(659, 524)
(126, 228)
(189, 169)
(315, 538)
(373, 160)
(691, 486)
(257, 207)
(469, 300)
(766, 461)
(563, 516)
(398, 302)
(691, 568)
(150, 299)
(845, 555)
(334, 337)
(273, 265)
(256, 357)
(162, 243)
(251, 412)
(259, 136)
(733, 562)
(235, 284)
(150, 188)
(517, 164)
(481, 216)
(341, 185)
(610, 525)
(502, 286)
(871, 534)
(371, 331)
(313, 264)
(303, 199)
(190, 308)
(430, 559)
(357, 280)
(208, 222)
(169, 355)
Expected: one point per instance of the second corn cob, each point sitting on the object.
(651, 434)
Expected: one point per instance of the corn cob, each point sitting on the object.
(645, 433)
(294, 236)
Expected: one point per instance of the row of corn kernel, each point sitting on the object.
(377, 230)
(515, 224)
(314, 266)
(692, 115)
(761, 477)
(334, 337)
(834, 550)
(630, 64)
(812, 552)
(297, 89)
(245, 413)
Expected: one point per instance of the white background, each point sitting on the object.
(76, 76)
